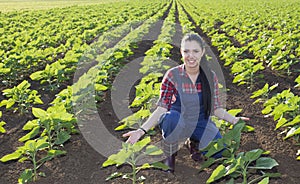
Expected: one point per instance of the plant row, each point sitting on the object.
(147, 92)
(54, 126)
(30, 40)
(249, 46)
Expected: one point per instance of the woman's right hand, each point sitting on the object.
(134, 136)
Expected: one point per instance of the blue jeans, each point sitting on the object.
(173, 130)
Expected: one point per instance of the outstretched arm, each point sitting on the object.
(223, 114)
(135, 135)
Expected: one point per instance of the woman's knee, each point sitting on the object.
(169, 121)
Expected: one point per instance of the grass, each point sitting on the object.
(19, 5)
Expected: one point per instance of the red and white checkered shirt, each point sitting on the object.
(168, 88)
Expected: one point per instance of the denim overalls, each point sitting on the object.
(186, 117)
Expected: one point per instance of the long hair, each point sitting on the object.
(206, 75)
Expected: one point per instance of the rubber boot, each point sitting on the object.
(193, 147)
(170, 150)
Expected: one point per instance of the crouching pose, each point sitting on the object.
(189, 95)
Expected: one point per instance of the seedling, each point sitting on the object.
(30, 151)
(56, 124)
(53, 75)
(224, 126)
(131, 154)
(263, 93)
(236, 165)
(284, 107)
(147, 92)
(20, 97)
(244, 71)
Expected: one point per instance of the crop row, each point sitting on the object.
(249, 42)
(54, 126)
(30, 40)
(147, 92)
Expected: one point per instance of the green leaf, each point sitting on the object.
(31, 134)
(8, 103)
(37, 100)
(253, 154)
(62, 137)
(51, 154)
(234, 112)
(138, 146)
(207, 163)
(12, 156)
(267, 109)
(280, 123)
(39, 113)
(114, 175)
(109, 162)
(3, 102)
(42, 143)
(117, 159)
(264, 181)
(100, 87)
(144, 166)
(23, 85)
(273, 175)
(160, 165)
(22, 159)
(260, 92)
(292, 132)
(55, 153)
(31, 124)
(37, 75)
(218, 173)
(121, 127)
(265, 163)
(26, 176)
(2, 130)
(297, 80)
(248, 128)
(295, 121)
(153, 150)
(235, 166)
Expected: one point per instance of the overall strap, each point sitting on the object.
(178, 80)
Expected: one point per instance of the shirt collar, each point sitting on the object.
(182, 72)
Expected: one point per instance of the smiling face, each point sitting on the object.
(191, 53)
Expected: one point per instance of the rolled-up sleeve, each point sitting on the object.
(166, 91)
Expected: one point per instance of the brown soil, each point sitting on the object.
(82, 164)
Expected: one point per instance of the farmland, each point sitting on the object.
(70, 69)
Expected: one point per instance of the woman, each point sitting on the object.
(189, 95)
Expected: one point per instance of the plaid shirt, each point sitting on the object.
(168, 88)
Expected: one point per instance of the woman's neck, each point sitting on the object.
(192, 71)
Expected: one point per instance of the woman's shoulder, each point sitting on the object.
(174, 69)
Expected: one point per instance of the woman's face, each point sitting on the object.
(191, 53)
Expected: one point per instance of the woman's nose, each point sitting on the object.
(190, 55)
